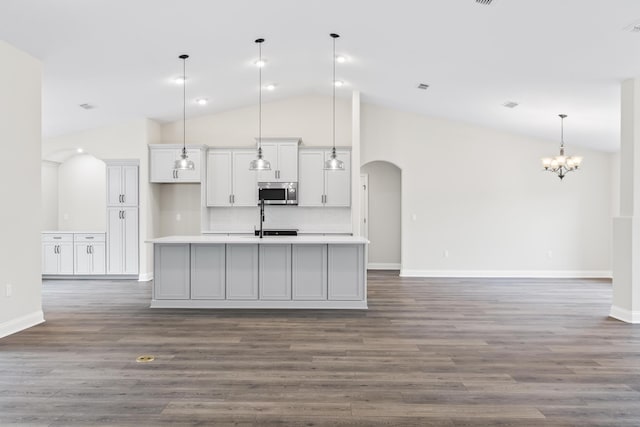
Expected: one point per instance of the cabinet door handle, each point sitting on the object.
(90, 249)
(229, 198)
(56, 249)
(123, 214)
(124, 198)
(87, 250)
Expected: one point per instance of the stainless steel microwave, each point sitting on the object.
(278, 193)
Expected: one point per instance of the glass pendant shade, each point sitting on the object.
(184, 163)
(260, 164)
(333, 163)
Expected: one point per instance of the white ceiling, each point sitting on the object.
(551, 56)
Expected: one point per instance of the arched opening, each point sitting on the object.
(73, 193)
(382, 216)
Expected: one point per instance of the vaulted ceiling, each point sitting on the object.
(550, 56)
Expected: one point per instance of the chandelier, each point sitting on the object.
(562, 164)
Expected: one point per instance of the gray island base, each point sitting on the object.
(297, 272)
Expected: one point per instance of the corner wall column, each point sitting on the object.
(355, 163)
(626, 227)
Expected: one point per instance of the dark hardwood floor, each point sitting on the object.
(428, 352)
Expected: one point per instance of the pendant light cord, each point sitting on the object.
(260, 98)
(184, 105)
(334, 95)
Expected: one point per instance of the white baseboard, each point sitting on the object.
(383, 266)
(21, 323)
(145, 277)
(624, 314)
(533, 274)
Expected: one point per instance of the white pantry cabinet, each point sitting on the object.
(319, 187)
(229, 180)
(162, 158)
(122, 185)
(282, 153)
(57, 253)
(122, 240)
(122, 218)
(89, 253)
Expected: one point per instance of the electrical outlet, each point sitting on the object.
(9, 290)
(414, 217)
(549, 254)
(178, 217)
(445, 253)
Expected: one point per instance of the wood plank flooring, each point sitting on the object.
(445, 352)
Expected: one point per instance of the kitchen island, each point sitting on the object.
(243, 271)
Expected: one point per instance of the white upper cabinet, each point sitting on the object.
(319, 187)
(337, 184)
(122, 185)
(311, 184)
(282, 153)
(229, 180)
(162, 158)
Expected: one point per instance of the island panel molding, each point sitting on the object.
(301, 272)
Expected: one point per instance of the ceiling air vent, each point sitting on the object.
(487, 2)
(423, 86)
(510, 104)
(87, 106)
(634, 27)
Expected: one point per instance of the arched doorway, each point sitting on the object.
(383, 214)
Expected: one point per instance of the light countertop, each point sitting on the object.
(267, 240)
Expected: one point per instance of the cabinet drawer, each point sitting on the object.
(89, 237)
(57, 237)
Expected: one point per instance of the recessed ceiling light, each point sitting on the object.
(341, 59)
(634, 27)
(423, 86)
(338, 83)
(270, 86)
(260, 63)
(510, 104)
(87, 106)
(179, 80)
(80, 151)
(202, 101)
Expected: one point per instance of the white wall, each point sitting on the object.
(122, 141)
(49, 194)
(21, 215)
(82, 189)
(179, 209)
(480, 194)
(384, 213)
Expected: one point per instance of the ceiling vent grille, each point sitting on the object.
(510, 104)
(87, 106)
(487, 2)
(423, 86)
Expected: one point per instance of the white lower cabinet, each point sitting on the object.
(309, 271)
(122, 240)
(89, 253)
(242, 272)
(208, 271)
(345, 282)
(57, 253)
(171, 272)
(275, 272)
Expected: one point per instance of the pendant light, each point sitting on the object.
(561, 165)
(184, 162)
(334, 163)
(260, 164)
